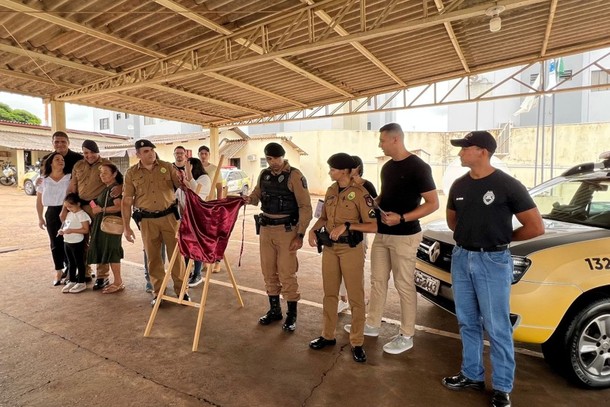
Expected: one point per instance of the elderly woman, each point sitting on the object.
(347, 213)
(196, 179)
(50, 194)
(105, 248)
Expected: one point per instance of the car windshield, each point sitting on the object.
(575, 200)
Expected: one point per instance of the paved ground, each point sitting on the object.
(88, 349)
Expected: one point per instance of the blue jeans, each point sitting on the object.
(481, 289)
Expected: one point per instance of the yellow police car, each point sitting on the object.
(560, 296)
(235, 181)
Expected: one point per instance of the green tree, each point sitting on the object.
(17, 115)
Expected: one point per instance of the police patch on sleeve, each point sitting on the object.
(304, 182)
(372, 214)
(369, 201)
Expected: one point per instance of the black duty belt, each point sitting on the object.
(267, 221)
(157, 214)
(497, 248)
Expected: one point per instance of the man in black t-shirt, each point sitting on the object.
(480, 208)
(61, 144)
(405, 180)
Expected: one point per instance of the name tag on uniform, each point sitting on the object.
(319, 206)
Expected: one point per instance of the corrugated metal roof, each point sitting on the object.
(217, 62)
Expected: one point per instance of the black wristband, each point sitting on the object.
(301, 235)
(347, 225)
(402, 218)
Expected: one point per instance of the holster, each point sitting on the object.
(354, 237)
(137, 217)
(322, 239)
(257, 224)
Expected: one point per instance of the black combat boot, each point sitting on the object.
(274, 313)
(291, 317)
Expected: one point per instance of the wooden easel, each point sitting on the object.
(206, 285)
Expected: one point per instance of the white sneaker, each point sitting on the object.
(343, 305)
(68, 287)
(399, 344)
(368, 330)
(78, 287)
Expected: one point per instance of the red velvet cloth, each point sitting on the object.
(205, 227)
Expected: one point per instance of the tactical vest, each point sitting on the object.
(276, 198)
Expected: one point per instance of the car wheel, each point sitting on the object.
(588, 345)
(244, 190)
(28, 187)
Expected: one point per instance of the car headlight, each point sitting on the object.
(520, 266)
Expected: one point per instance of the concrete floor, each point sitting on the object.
(88, 349)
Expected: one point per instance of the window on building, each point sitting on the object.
(600, 78)
(263, 162)
(148, 120)
(118, 116)
(104, 124)
(369, 126)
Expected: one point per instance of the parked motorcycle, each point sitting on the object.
(9, 175)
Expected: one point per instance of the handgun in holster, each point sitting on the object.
(322, 239)
(137, 217)
(257, 224)
(354, 237)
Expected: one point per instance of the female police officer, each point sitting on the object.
(346, 214)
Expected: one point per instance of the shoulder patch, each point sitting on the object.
(369, 201)
(372, 214)
(304, 182)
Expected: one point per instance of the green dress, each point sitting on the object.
(104, 248)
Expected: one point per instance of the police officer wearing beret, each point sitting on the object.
(149, 188)
(286, 206)
(347, 213)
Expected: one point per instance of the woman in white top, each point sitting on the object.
(194, 177)
(50, 194)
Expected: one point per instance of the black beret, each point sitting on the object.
(274, 150)
(341, 161)
(91, 146)
(144, 143)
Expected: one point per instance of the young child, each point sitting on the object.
(75, 227)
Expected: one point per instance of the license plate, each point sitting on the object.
(425, 282)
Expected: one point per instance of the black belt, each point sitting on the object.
(267, 221)
(157, 214)
(342, 239)
(497, 248)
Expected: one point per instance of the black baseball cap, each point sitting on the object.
(482, 139)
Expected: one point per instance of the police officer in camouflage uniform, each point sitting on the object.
(286, 206)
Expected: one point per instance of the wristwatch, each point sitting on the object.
(402, 218)
(347, 225)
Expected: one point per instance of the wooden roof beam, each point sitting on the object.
(197, 61)
(62, 22)
(187, 13)
(205, 99)
(549, 27)
(454, 41)
(323, 15)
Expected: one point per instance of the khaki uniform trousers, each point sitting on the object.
(156, 231)
(338, 261)
(395, 254)
(279, 264)
(102, 270)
